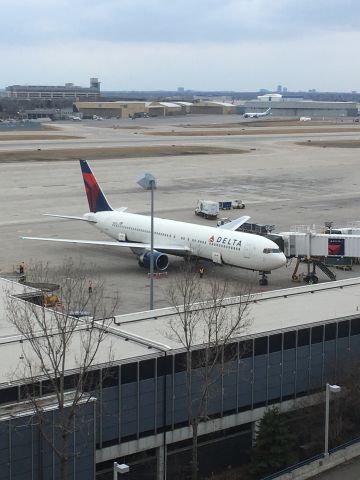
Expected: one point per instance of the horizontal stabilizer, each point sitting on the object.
(179, 249)
(70, 217)
(235, 224)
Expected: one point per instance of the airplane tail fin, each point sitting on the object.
(96, 198)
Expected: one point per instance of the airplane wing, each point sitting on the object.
(70, 217)
(235, 224)
(171, 249)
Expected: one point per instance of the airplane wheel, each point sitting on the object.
(311, 279)
(263, 281)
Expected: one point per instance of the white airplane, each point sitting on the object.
(257, 114)
(222, 245)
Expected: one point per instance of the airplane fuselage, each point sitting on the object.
(223, 245)
(257, 114)
(240, 249)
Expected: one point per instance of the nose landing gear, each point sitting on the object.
(263, 280)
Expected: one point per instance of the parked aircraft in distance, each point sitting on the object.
(257, 114)
(221, 245)
(76, 118)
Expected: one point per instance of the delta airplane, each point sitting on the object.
(257, 114)
(221, 245)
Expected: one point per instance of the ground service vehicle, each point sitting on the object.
(237, 204)
(207, 209)
(228, 205)
(225, 205)
(139, 115)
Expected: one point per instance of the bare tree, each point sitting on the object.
(207, 330)
(58, 339)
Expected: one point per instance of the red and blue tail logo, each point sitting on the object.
(96, 198)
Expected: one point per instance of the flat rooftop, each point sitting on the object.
(150, 334)
(13, 345)
(268, 312)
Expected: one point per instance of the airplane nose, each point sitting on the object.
(277, 261)
(280, 260)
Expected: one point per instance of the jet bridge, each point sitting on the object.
(315, 247)
(317, 250)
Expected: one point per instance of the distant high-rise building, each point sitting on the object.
(181, 89)
(94, 83)
(279, 89)
(69, 91)
(284, 90)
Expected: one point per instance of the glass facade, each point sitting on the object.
(141, 398)
(267, 370)
(25, 452)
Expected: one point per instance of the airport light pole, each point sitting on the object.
(120, 468)
(148, 182)
(333, 389)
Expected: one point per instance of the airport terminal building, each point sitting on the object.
(67, 91)
(296, 340)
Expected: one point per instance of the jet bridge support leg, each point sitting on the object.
(311, 277)
(295, 277)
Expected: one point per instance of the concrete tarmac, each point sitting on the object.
(281, 183)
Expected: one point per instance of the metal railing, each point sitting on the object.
(307, 461)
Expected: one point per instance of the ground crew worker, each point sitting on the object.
(22, 277)
(201, 271)
(90, 287)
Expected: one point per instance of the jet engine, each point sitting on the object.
(161, 261)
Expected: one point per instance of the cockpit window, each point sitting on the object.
(271, 250)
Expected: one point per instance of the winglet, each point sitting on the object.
(235, 224)
(96, 198)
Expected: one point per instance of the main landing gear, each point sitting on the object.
(263, 280)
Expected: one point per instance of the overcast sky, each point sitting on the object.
(198, 44)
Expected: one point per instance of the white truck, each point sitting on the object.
(207, 209)
(231, 204)
(237, 204)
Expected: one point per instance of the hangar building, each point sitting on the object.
(126, 109)
(297, 107)
(298, 339)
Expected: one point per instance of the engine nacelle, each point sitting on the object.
(161, 261)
